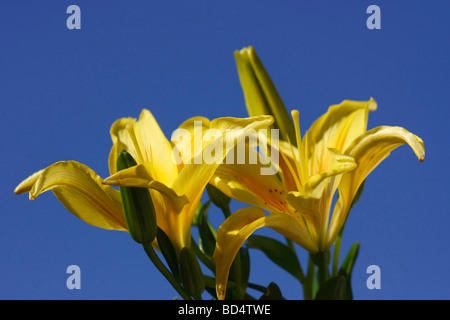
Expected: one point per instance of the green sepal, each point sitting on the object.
(137, 205)
(169, 253)
(281, 254)
(191, 274)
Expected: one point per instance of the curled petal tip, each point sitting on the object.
(111, 182)
(17, 190)
(372, 104)
(220, 292)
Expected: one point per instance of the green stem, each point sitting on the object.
(206, 260)
(322, 261)
(165, 272)
(308, 285)
(337, 252)
(211, 283)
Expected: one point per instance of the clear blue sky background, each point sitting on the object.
(62, 89)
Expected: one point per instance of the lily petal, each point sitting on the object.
(136, 176)
(368, 151)
(154, 141)
(231, 235)
(28, 183)
(340, 164)
(81, 191)
(337, 129)
(145, 142)
(187, 140)
(140, 176)
(195, 176)
(245, 182)
(121, 141)
(233, 232)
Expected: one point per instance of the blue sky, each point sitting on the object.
(62, 89)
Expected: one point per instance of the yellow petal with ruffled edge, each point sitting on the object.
(369, 150)
(81, 191)
(121, 141)
(340, 164)
(233, 232)
(337, 129)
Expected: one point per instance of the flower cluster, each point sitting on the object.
(288, 181)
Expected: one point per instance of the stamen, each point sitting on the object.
(291, 169)
(296, 155)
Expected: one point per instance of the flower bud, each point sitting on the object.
(191, 273)
(137, 205)
(261, 95)
(220, 199)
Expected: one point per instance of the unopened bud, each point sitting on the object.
(137, 205)
(220, 199)
(191, 273)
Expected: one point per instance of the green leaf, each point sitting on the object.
(347, 267)
(350, 259)
(273, 292)
(281, 254)
(334, 289)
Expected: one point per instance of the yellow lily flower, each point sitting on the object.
(177, 172)
(336, 153)
(175, 187)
